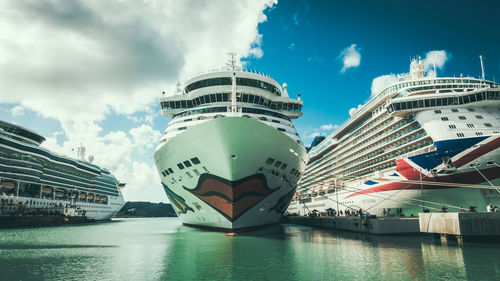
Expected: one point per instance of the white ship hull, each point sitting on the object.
(92, 210)
(232, 188)
(416, 184)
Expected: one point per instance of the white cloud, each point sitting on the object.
(350, 57)
(81, 62)
(17, 111)
(328, 127)
(435, 58)
(313, 135)
(115, 150)
(381, 82)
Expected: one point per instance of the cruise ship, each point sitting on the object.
(34, 179)
(230, 157)
(422, 144)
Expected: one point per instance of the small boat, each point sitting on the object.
(7, 185)
(60, 192)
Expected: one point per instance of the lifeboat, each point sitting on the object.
(60, 192)
(104, 199)
(83, 195)
(7, 185)
(47, 189)
(91, 196)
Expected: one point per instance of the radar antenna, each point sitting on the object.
(80, 152)
(231, 62)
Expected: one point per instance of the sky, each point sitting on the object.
(91, 72)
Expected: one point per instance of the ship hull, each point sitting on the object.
(232, 188)
(472, 178)
(95, 211)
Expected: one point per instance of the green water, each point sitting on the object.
(163, 249)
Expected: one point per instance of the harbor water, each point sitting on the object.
(163, 249)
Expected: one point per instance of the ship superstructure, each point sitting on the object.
(230, 157)
(421, 144)
(38, 179)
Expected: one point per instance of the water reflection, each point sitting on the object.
(163, 249)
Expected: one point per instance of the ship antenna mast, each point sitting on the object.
(232, 60)
(232, 64)
(482, 66)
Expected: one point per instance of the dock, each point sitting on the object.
(461, 225)
(385, 225)
(445, 225)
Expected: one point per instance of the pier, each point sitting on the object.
(461, 225)
(385, 225)
(445, 225)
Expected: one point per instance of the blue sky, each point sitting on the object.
(303, 40)
(91, 72)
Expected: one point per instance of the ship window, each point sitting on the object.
(189, 174)
(219, 97)
(487, 125)
(187, 120)
(269, 161)
(462, 118)
(263, 118)
(283, 166)
(277, 164)
(213, 98)
(187, 163)
(454, 110)
(470, 125)
(170, 170)
(195, 160)
(479, 134)
(444, 118)
(452, 126)
(460, 135)
(180, 166)
(275, 121)
(163, 173)
(166, 172)
(479, 117)
(281, 129)
(181, 128)
(225, 96)
(292, 171)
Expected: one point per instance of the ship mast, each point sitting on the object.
(232, 65)
(482, 67)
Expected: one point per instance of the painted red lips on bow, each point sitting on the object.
(231, 198)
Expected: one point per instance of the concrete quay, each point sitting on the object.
(461, 225)
(444, 225)
(382, 226)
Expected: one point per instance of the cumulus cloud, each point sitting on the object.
(115, 150)
(81, 62)
(17, 111)
(85, 59)
(328, 127)
(350, 57)
(381, 82)
(435, 58)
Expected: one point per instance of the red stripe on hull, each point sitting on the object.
(472, 177)
(478, 152)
